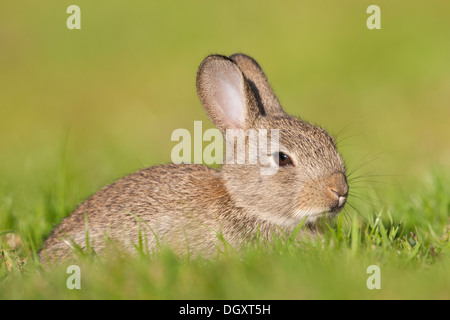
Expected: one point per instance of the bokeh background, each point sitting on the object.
(81, 108)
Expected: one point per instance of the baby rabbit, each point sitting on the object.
(187, 206)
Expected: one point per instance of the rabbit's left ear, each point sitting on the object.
(267, 101)
(225, 94)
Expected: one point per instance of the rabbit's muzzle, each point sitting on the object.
(337, 191)
(325, 194)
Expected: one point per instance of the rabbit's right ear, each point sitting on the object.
(225, 94)
(256, 78)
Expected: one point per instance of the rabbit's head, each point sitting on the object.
(305, 176)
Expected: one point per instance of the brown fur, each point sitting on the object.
(188, 206)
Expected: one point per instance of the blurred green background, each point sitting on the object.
(81, 108)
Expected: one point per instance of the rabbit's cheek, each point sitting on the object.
(311, 201)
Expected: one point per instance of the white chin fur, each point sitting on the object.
(308, 216)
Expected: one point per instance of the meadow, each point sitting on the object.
(82, 108)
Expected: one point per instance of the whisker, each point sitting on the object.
(370, 175)
(368, 200)
(364, 161)
(346, 214)
(357, 212)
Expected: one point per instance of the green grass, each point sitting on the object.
(79, 109)
(413, 256)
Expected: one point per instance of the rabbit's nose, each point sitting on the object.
(338, 189)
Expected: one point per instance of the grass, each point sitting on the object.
(79, 109)
(413, 256)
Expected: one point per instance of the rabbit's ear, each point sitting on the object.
(225, 94)
(257, 80)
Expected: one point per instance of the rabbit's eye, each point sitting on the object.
(284, 159)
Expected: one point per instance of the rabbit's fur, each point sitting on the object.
(188, 206)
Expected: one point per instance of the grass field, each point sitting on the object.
(81, 108)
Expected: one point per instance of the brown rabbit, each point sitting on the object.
(187, 206)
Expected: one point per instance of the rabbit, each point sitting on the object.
(191, 207)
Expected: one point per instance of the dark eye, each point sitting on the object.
(283, 159)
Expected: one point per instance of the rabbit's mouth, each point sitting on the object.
(339, 202)
(335, 211)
